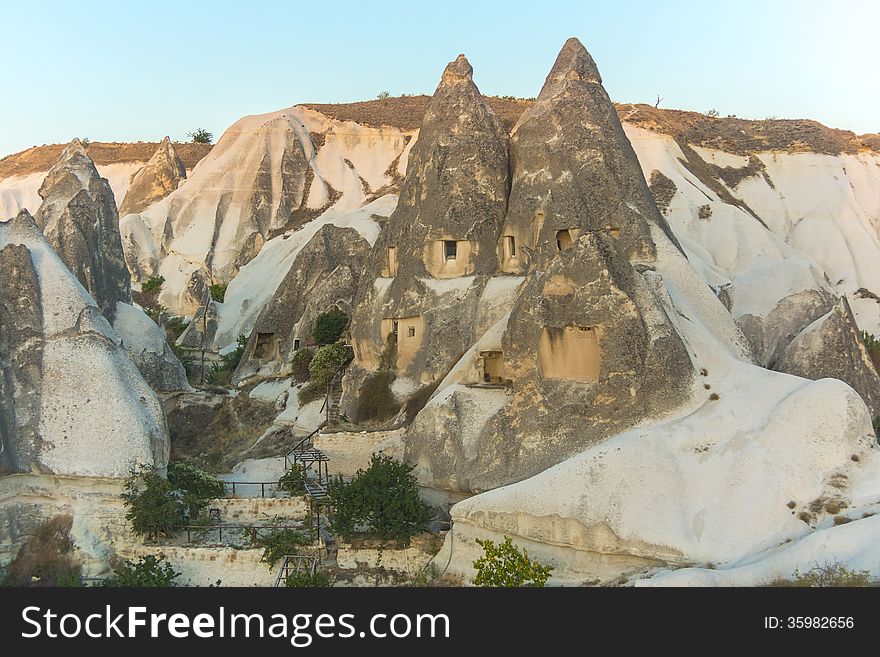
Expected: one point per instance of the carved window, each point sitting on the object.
(450, 249)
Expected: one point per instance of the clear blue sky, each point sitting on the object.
(141, 70)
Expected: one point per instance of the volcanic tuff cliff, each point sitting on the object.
(54, 338)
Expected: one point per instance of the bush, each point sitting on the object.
(148, 571)
(322, 367)
(383, 500)
(218, 291)
(281, 542)
(221, 371)
(197, 488)
(291, 482)
(299, 365)
(507, 565)
(329, 326)
(200, 136)
(382, 95)
(375, 400)
(318, 579)
(828, 576)
(46, 558)
(153, 284)
(153, 508)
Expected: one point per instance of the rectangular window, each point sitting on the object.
(295, 344)
(411, 331)
(394, 327)
(511, 246)
(450, 248)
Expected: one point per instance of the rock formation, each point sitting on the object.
(156, 180)
(832, 347)
(327, 272)
(79, 219)
(418, 308)
(73, 402)
(574, 171)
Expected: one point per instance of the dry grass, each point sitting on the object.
(41, 158)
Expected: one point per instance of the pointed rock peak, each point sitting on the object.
(23, 221)
(166, 141)
(574, 63)
(75, 147)
(459, 70)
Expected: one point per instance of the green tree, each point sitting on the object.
(200, 136)
(329, 326)
(153, 284)
(507, 565)
(153, 507)
(323, 366)
(218, 292)
(148, 571)
(196, 487)
(383, 499)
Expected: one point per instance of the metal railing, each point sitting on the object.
(253, 531)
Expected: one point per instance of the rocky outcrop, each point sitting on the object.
(326, 275)
(587, 352)
(79, 219)
(574, 171)
(78, 404)
(199, 333)
(832, 347)
(146, 344)
(156, 180)
(419, 305)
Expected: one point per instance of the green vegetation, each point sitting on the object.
(299, 364)
(321, 370)
(197, 487)
(200, 136)
(153, 284)
(174, 328)
(291, 482)
(218, 292)
(153, 508)
(375, 400)
(318, 579)
(156, 505)
(329, 326)
(382, 500)
(382, 95)
(148, 571)
(221, 371)
(509, 566)
(281, 542)
(828, 575)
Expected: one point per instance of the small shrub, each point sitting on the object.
(218, 292)
(705, 212)
(299, 365)
(506, 565)
(291, 482)
(153, 284)
(827, 576)
(872, 345)
(712, 113)
(146, 572)
(197, 488)
(375, 400)
(200, 136)
(153, 507)
(321, 370)
(329, 326)
(281, 542)
(382, 95)
(318, 579)
(383, 499)
(220, 373)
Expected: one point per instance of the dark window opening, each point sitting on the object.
(450, 249)
(511, 246)
(394, 327)
(563, 240)
(411, 331)
(295, 344)
(265, 345)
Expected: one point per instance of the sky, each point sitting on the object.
(129, 71)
